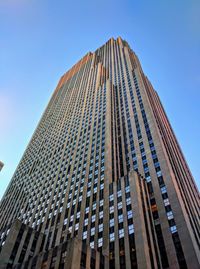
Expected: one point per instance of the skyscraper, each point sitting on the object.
(103, 182)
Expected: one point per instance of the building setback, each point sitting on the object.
(103, 182)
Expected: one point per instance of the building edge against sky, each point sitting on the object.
(76, 177)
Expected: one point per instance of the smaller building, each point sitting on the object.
(19, 243)
(1, 165)
(22, 248)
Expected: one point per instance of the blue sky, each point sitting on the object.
(40, 40)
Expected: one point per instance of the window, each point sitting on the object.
(88, 193)
(93, 218)
(148, 178)
(92, 231)
(173, 229)
(166, 202)
(78, 215)
(85, 235)
(100, 242)
(159, 173)
(112, 237)
(111, 197)
(87, 210)
(131, 229)
(170, 215)
(111, 209)
(101, 203)
(101, 227)
(120, 218)
(129, 214)
(121, 233)
(119, 193)
(163, 189)
(100, 214)
(128, 201)
(112, 222)
(127, 189)
(92, 244)
(120, 205)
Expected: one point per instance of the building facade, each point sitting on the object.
(104, 169)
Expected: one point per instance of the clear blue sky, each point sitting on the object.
(40, 40)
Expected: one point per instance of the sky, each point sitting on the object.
(40, 40)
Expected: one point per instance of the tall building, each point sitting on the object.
(103, 182)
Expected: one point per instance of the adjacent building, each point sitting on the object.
(103, 174)
(1, 165)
